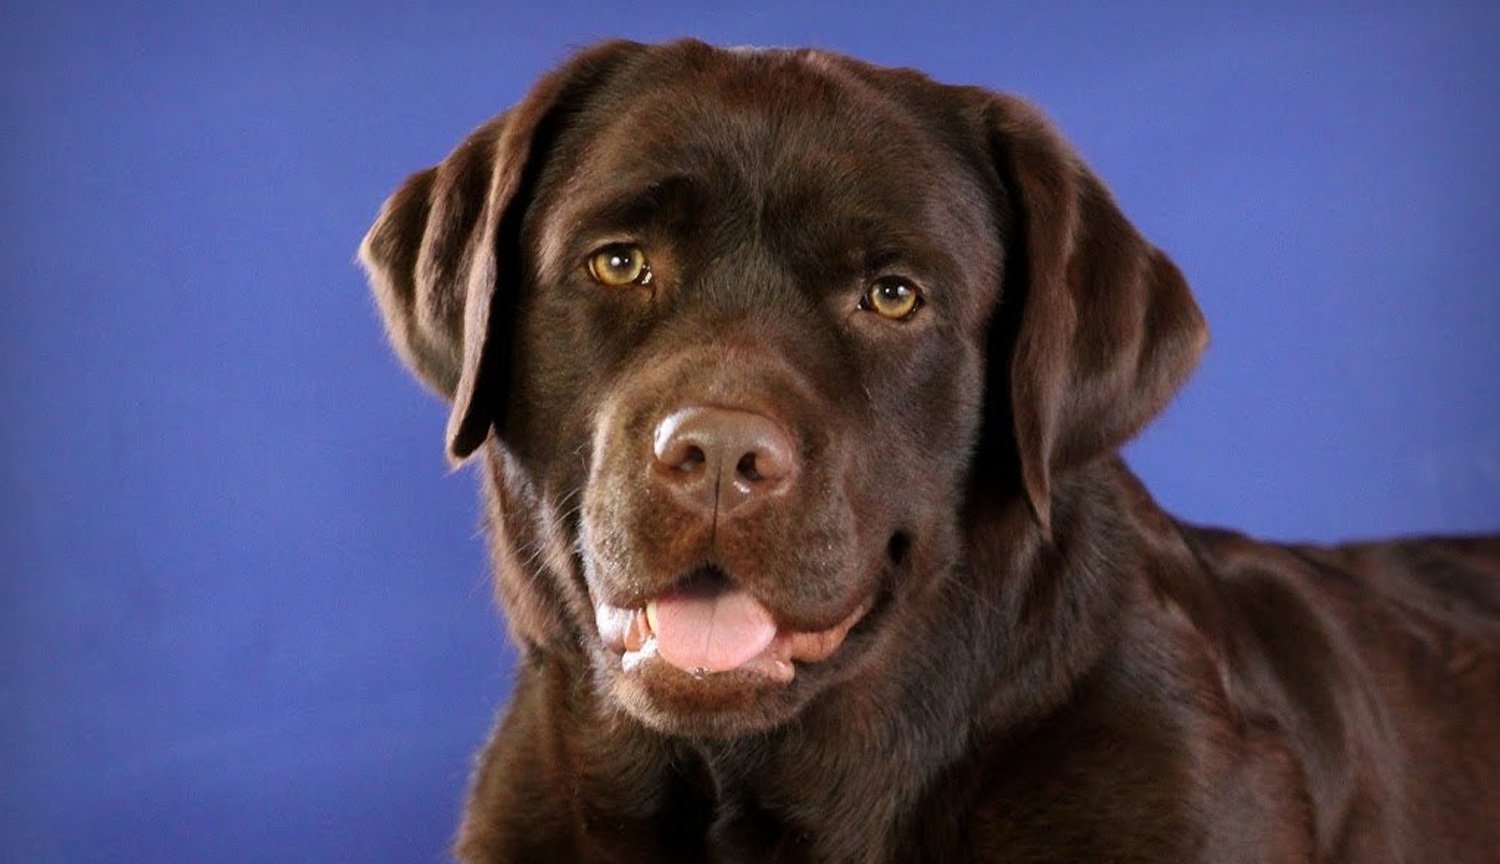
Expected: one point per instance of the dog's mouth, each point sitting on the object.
(706, 627)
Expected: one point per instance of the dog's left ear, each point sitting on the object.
(444, 256)
(1099, 327)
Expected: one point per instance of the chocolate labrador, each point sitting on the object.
(798, 385)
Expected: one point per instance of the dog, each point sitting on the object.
(796, 385)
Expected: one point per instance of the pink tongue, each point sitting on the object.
(714, 633)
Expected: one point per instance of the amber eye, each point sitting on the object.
(892, 297)
(620, 264)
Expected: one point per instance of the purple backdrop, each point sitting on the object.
(243, 608)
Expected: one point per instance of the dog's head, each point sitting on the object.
(745, 331)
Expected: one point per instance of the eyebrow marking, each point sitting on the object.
(636, 204)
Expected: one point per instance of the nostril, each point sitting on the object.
(747, 469)
(770, 461)
(692, 459)
(677, 451)
(898, 547)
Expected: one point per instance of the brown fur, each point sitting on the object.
(1054, 669)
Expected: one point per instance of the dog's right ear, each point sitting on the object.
(444, 257)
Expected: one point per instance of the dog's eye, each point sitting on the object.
(892, 297)
(620, 264)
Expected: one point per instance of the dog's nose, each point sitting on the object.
(721, 461)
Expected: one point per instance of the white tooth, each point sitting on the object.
(651, 615)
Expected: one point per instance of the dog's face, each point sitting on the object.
(772, 398)
(735, 319)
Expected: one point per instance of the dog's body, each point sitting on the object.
(806, 379)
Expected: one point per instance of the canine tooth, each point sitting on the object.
(651, 615)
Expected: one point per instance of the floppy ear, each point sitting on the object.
(1103, 328)
(444, 257)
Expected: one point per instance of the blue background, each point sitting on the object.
(244, 613)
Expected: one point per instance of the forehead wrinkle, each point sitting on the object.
(625, 204)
